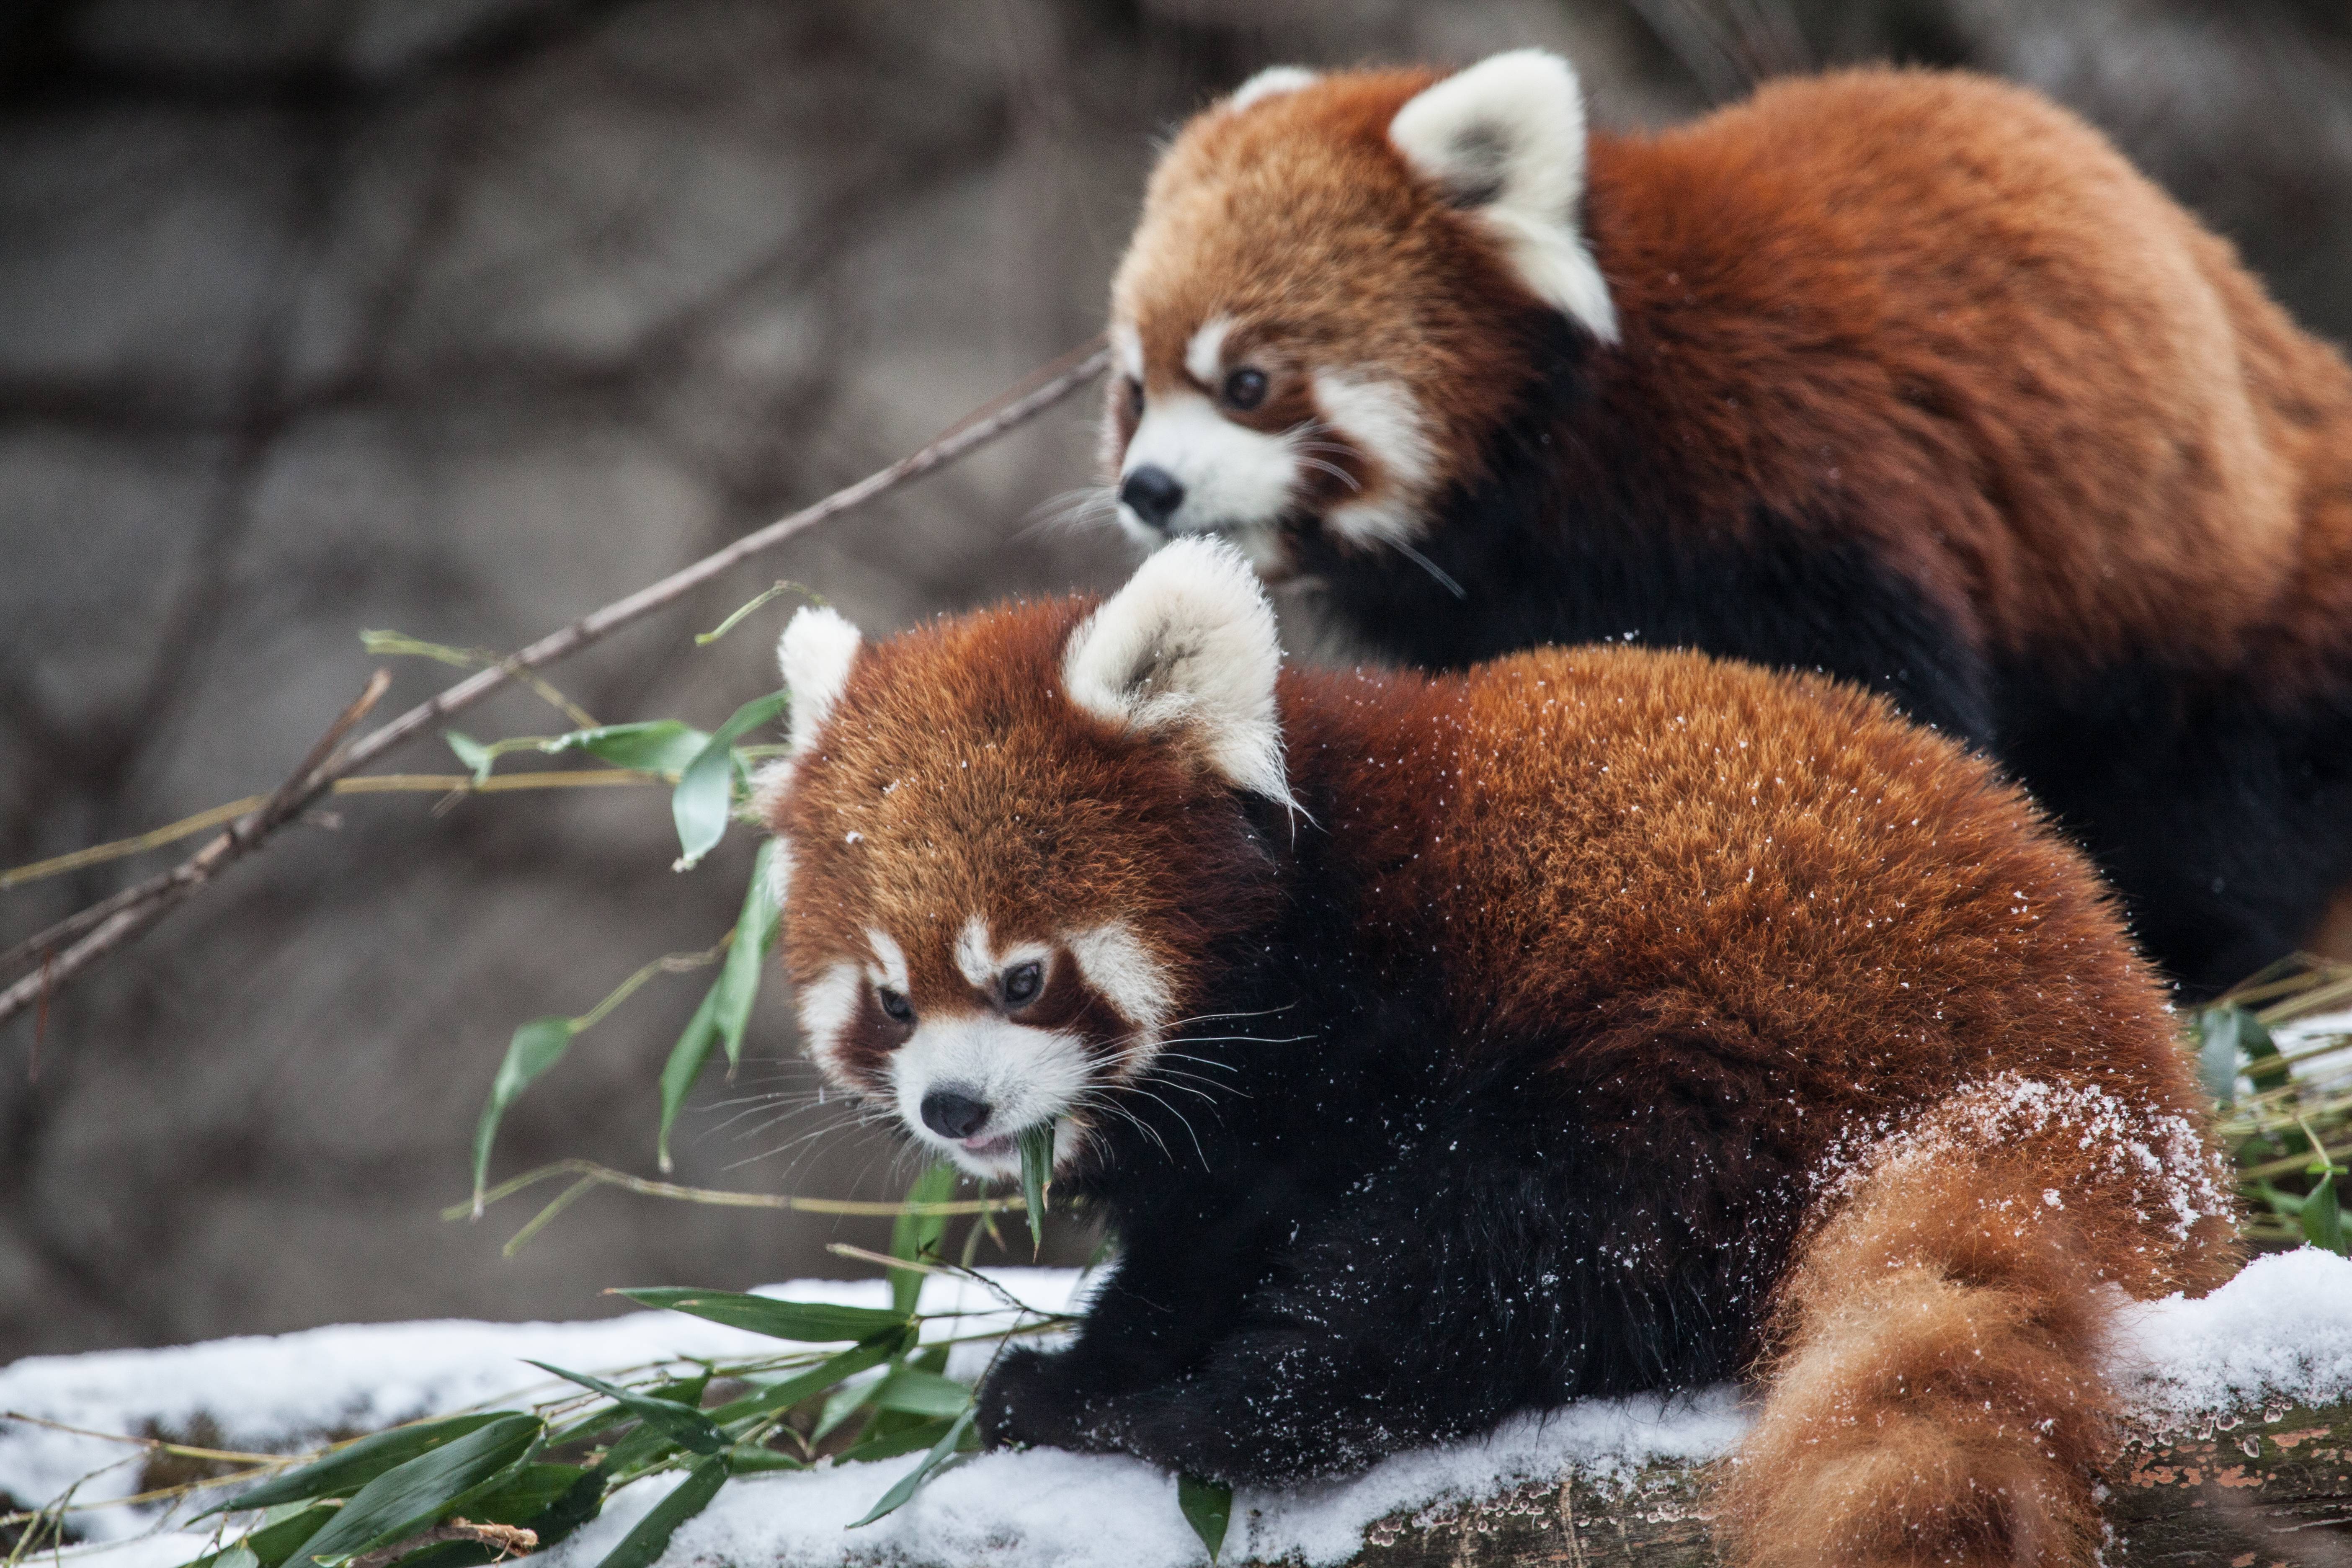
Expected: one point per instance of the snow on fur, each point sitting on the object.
(2278, 1334)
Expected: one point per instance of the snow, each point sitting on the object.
(2280, 1333)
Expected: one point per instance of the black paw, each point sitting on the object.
(1029, 1401)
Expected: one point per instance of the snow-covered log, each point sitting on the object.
(2243, 1453)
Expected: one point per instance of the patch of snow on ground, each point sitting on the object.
(2281, 1333)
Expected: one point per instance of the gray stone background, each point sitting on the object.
(462, 317)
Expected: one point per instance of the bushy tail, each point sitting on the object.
(1935, 1398)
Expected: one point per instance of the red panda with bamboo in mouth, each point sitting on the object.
(1439, 1047)
(1905, 376)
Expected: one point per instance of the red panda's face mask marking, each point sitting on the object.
(1007, 842)
(1320, 311)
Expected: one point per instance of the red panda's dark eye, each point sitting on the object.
(1132, 390)
(1022, 982)
(1246, 389)
(900, 1009)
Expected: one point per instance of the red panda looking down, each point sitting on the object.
(1899, 375)
(1438, 1047)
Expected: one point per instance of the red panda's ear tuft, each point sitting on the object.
(1505, 140)
(1188, 647)
(815, 654)
(1271, 82)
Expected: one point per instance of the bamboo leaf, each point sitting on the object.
(526, 1495)
(755, 937)
(2323, 1217)
(738, 1415)
(685, 1065)
(478, 758)
(705, 796)
(941, 1451)
(2217, 1054)
(644, 1545)
(535, 1047)
(656, 746)
(1208, 1508)
(918, 1393)
(1036, 1175)
(348, 1468)
(915, 1236)
(888, 1440)
(690, 1428)
(405, 1499)
(814, 1321)
(751, 1458)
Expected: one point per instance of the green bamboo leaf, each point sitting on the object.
(2323, 1217)
(688, 1426)
(814, 1321)
(535, 1047)
(281, 1531)
(685, 1065)
(274, 1542)
(847, 1401)
(2217, 1053)
(350, 1468)
(526, 1495)
(705, 796)
(409, 1496)
(918, 1393)
(1036, 1175)
(888, 1441)
(1208, 1508)
(479, 759)
(751, 1458)
(941, 1451)
(579, 1503)
(644, 1545)
(655, 746)
(755, 937)
(2261, 1053)
(915, 1236)
(738, 1415)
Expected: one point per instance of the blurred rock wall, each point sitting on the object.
(462, 317)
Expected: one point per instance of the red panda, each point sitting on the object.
(1597, 1020)
(1899, 375)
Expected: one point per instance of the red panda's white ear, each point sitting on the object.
(1505, 140)
(1271, 82)
(815, 653)
(1188, 645)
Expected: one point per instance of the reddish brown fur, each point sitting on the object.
(1768, 918)
(1908, 283)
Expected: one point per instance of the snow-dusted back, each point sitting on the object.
(2279, 1334)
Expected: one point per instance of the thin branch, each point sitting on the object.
(132, 912)
(505, 1540)
(309, 779)
(604, 1175)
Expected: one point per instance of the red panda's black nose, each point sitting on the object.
(954, 1115)
(1153, 494)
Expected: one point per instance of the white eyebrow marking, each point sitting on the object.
(827, 1003)
(1114, 962)
(1128, 347)
(1206, 351)
(893, 960)
(974, 954)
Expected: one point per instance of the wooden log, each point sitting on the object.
(2255, 1493)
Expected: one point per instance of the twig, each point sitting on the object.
(153, 1445)
(506, 1540)
(309, 780)
(606, 1175)
(131, 913)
